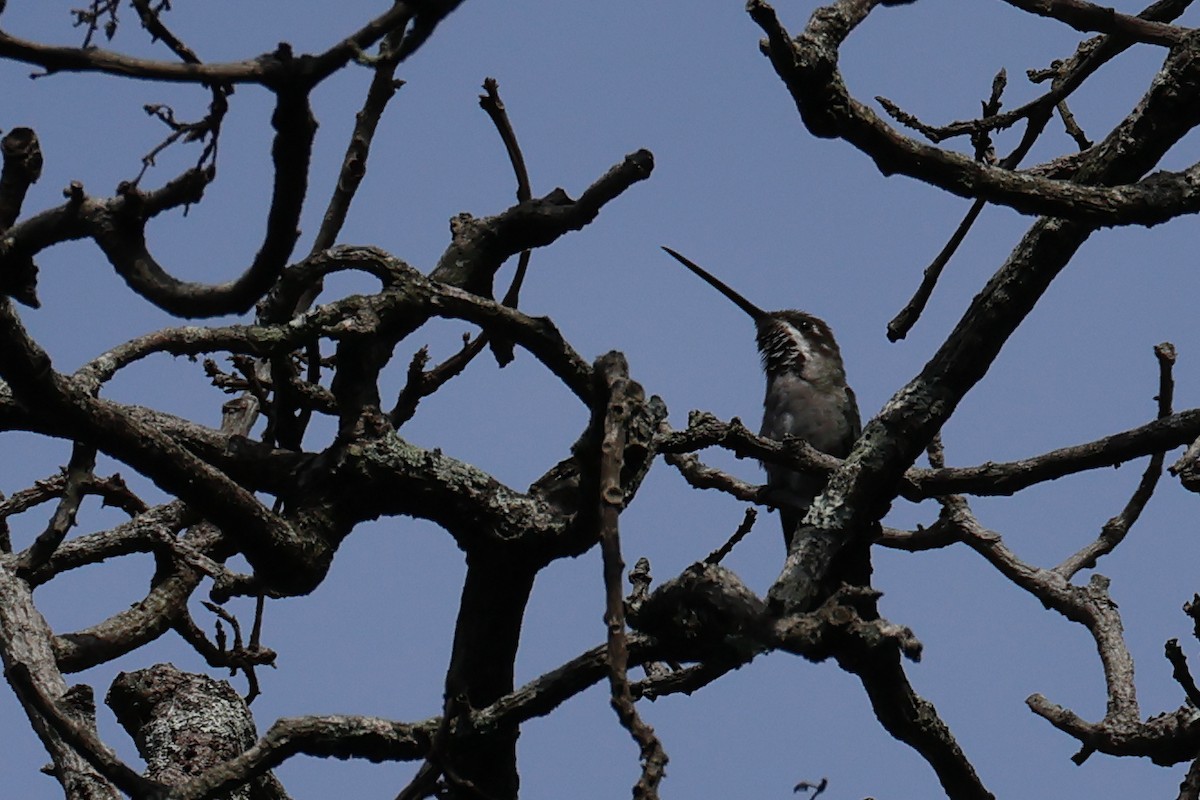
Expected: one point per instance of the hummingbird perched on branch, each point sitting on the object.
(807, 396)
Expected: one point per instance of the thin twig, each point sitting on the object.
(1115, 530)
(1072, 127)
(716, 556)
(207, 130)
(78, 472)
(496, 111)
(90, 19)
(903, 322)
(152, 21)
(611, 500)
(1180, 671)
(422, 384)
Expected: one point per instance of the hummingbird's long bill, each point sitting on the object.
(754, 311)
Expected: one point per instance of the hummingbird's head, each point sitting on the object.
(788, 341)
(799, 343)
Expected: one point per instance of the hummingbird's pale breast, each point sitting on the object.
(821, 416)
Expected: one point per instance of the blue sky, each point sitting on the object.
(789, 220)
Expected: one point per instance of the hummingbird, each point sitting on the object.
(807, 396)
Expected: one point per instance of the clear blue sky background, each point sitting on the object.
(791, 221)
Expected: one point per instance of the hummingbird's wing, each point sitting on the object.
(853, 420)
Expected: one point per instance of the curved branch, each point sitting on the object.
(1165, 739)
(153, 615)
(409, 292)
(142, 534)
(123, 240)
(370, 738)
(538, 335)
(1090, 606)
(119, 227)
(808, 66)
(80, 217)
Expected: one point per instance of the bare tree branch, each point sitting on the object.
(79, 470)
(28, 659)
(480, 246)
(151, 19)
(808, 67)
(1083, 16)
(1115, 529)
(82, 738)
(269, 70)
(611, 498)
